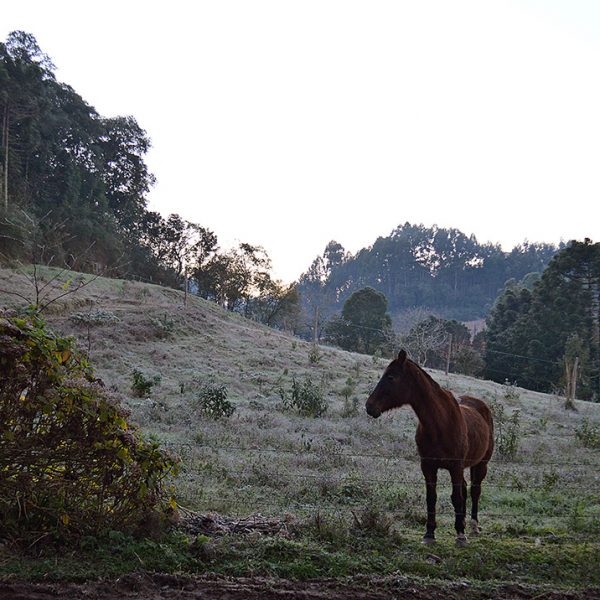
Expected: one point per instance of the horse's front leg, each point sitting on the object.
(430, 474)
(459, 502)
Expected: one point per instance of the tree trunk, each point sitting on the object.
(5, 133)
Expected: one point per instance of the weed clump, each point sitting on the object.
(70, 464)
(588, 434)
(163, 326)
(95, 318)
(372, 520)
(212, 401)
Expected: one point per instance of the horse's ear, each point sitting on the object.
(402, 356)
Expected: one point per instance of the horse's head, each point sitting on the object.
(391, 391)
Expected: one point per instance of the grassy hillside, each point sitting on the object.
(350, 486)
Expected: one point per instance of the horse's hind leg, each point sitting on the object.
(459, 503)
(478, 473)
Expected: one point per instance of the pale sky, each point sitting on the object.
(289, 124)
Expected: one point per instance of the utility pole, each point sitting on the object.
(315, 325)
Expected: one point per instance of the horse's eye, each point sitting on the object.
(390, 377)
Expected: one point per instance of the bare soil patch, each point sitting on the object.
(167, 587)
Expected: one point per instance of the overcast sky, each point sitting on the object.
(288, 124)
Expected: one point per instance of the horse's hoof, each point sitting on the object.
(428, 541)
(475, 529)
(461, 541)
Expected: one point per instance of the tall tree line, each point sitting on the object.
(441, 270)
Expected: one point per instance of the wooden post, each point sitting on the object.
(448, 354)
(571, 387)
(574, 379)
(315, 325)
(185, 293)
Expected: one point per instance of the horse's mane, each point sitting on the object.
(427, 376)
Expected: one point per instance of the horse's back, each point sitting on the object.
(480, 406)
(480, 428)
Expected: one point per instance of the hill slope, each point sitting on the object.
(359, 476)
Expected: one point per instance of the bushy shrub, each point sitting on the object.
(70, 465)
(141, 386)
(213, 403)
(306, 398)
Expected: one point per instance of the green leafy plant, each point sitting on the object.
(306, 398)
(142, 385)
(70, 464)
(507, 428)
(212, 401)
(314, 355)
(350, 408)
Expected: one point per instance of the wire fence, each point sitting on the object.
(583, 478)
(384, 456)
(581, 482)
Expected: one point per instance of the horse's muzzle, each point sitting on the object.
(373, 411)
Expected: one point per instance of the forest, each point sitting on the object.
(443, 271)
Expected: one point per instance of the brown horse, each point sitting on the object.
(452, 434)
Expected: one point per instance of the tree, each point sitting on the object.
(427, 341)
(23, 70)
(530, 333)
(504, 340)
(236, 277)
(126, 177)
(364, 325)
(277, 305)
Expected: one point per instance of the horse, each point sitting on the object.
(452, 434)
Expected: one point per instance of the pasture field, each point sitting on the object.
(346, 489)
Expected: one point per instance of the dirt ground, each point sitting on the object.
(168, 587)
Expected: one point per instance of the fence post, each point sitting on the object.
(571, 387)
(185, 293)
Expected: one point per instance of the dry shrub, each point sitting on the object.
(70, 464)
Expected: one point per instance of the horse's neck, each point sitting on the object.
(429, 403)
